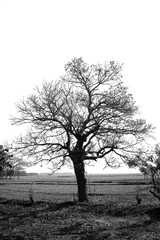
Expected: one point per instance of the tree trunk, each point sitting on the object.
(81, 182)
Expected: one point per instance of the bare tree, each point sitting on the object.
(17, 166)
(149, 163)
(86, 115)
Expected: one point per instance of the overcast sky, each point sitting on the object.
(38, 37)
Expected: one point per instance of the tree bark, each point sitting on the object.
(81, 182)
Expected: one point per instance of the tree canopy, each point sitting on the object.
(148, 163)
(86, 115)
(4, 159)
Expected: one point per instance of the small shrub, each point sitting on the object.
(31, 193)
(138, 195)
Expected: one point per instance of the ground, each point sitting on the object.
(107, 216)
(116, 219)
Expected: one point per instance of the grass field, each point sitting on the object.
(64, 187)
(112, 213)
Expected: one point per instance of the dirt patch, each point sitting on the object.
(114, 219)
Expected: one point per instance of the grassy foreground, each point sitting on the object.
(112, 213)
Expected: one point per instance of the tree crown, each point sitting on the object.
(88, 111)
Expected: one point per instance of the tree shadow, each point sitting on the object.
(154, 214)
(33, 209)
